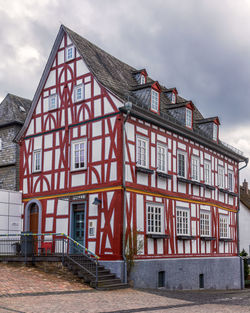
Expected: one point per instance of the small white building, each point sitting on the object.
(244, 217)
(11, 208)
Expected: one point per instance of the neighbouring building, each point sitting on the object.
(13, 111)
(244, 217)
(149, 175)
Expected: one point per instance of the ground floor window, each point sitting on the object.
(155, 219)
(224, 226)
(182, 221)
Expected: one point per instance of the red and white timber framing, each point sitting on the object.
(97, 119)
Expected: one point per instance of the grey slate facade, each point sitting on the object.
(13, 111)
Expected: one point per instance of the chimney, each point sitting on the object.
(245, 187)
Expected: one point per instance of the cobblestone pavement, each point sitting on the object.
(30, 290)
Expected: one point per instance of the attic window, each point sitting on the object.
(70, 53)
(215, 132)
(22, 109)
(143, 79)
(53, 102)
(154, 100)
(79, 93)
(173, 99)
(189, 118)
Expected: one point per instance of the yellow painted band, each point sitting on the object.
(178, 199)
(75, 193)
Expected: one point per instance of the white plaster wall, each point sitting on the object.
(244, 221)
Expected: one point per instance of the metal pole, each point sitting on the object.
(96, 274)
(63, 251)
(25, 249)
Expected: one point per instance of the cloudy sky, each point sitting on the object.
(201, 47)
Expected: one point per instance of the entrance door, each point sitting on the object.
(34, 218)
(79, 223)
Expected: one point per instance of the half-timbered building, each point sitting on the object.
(131, 170)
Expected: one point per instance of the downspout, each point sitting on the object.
(238, 228)
(128, 106)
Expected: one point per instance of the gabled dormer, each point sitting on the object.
(141, 76)
(210, 126)
(172, 93)
(183, 113)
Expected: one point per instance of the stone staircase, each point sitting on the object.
(85, 268)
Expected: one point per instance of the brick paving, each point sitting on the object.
(30, 290)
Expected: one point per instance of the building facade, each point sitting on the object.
(131, 170)
(13, 111)
(244, 217)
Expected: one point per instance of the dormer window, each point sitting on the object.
(189, 118)
(154, 100)
(143, 79)
(215, 132)
(173, 98)
(70, 53)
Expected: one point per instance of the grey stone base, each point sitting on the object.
(217, 273)
(188, 273)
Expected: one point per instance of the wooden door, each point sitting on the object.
(79, 223)
(34, 219)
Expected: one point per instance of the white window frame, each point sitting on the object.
(139, 160)
(1, 144)
(182, 219)
(189, 114)
(230, 188)
(195, 168)
(221, 176)
(154, 100)
(207, 173)
(53, 106)
(224, 226)
(162, 160)
(36, 169)
(205, 223)
(73, 144)
(215, 132)
(173, 98)
(76, 88)
(143, 79)
(155, 218)
(185, 163)
(67, 58)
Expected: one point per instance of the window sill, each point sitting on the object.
(158, 236)
(209, 187)
(78, 101)
(36, 172)
(207, 238)
(225, 239)
(78, 170)
(164, 175)
(144, 170)
(228, 192)
(185, 237)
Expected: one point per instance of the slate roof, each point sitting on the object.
(245, 197)
(13, 109)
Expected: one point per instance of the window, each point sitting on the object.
(224, 226)
(154, 100)
(215, 132)
(181, 159)
(154, 219)
(142, 152)
(182, 221)
(79, 93)
(53, 102)
(205, 223)
(230, 181)
(79, 155)
(70, 53)
(207, 172)
(143, 80)
(1, 144)
(173, 99)
(161, 158)
(220, 176)
(37, 161)
(189, 118)
(195, 168)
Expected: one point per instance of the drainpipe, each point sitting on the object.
(238, 228)
(128, 106)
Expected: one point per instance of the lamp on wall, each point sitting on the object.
(97, 201)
